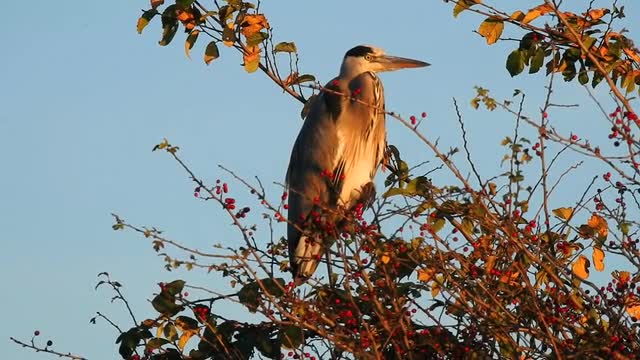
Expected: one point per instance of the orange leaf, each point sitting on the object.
(598, 259)
(632, 304)
(385, 259)
(632, 55)
(425, 275)
(537, 12)
(596, 14)
(491, 29)
(252, 59)
(253, 24)
(624, 276)
(581, 267)
(290, 79)
(599, 224)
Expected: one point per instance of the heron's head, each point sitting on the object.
(363, 58)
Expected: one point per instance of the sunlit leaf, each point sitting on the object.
(252, 24)
(563, 213)
(463, 5)
(536, 12)
(385, 258)
(581, 267)
(599, 225)
(184, 338)
(252, 59)
(425, 275)
(632, 305)
(598, 258)
(596, 14)
(491, 29)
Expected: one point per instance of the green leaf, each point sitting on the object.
(186, 323)
(463, 5)
(165, 304)
(145, 19)
(191, 40)
(256, 38)
(515, 62)
(583, 77)
(491, 29)
(288, 47)
(536, 61)
(274, 287)
(291, 336)
(169, 25)
(170, 332)
(185, 3)
(175, 287)
(211, 53)
(304, 78)
(249, 295)
(156, 343)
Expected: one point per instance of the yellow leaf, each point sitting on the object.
(563, 213)
(385, 259)
(632, 304)
(517, 16)
(536, 12)
(252, 59)
(160, 330)
(491, 29)
(598, 259)
(581, 267)
(462, 5)
(599, 224)
(184, 338)
(436, 286)
(253, 24)
(633, 55)
(425, 275)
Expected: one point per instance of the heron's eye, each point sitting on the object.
(368, 57)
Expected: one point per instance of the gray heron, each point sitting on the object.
(337, 152)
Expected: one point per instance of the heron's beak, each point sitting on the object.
(390, 63)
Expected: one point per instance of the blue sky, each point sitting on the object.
(85, 98)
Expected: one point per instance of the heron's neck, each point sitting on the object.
(352, 68)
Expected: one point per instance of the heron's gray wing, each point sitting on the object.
(313, 153)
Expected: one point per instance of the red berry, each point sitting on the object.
(413, 120)
(424, 114)
(36, 333)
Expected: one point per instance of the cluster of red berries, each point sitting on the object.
(229, 203)
(293, 355)
(414, 120)
(202, 312)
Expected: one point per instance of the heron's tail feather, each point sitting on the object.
(307, 257)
